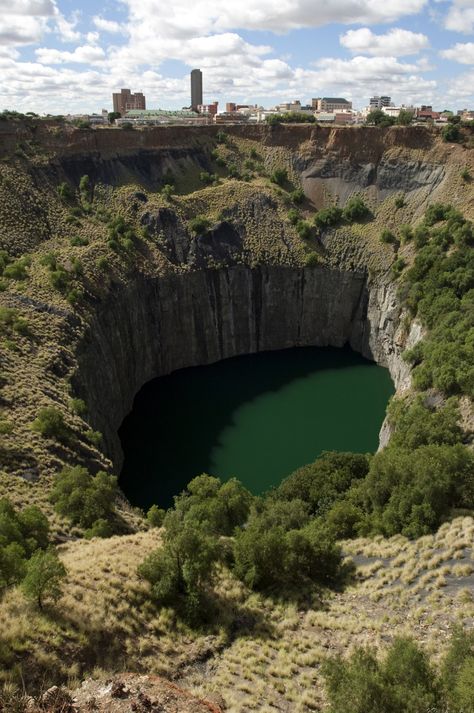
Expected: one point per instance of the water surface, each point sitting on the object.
(255, 417)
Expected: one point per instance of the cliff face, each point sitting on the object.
(152, 327)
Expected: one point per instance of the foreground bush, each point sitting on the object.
(404, 681)
(22, 533)
(85, 499)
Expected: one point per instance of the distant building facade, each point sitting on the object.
(124, 101)
(331, 104)
(196, 89)
(379, 102)
(208, 108)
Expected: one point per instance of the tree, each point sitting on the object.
(355, 209)
(114, 115)
(83, 498)
(377, 117)
(44, 576)
(279, 176)
(405, 117)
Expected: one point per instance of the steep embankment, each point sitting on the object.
(110, 307)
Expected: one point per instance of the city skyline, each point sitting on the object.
(61, 56)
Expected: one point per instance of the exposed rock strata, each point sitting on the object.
(155, 326)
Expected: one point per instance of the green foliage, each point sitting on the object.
(199, 225)
(17, 270)
(50, 424)
(77, 241)
(303, 228)
(323, 483)
(281, 548)
(457, 672)
(290, 117)
(451, 133)
(297, 196)
(83, 498)
(11, 321)
(113, 115)
(355, 210)
(155, 516)
(410, 491)
(293, 216)
(377, 117)
(466, 175)
(222, 137)
(78, 406)
(182, 570)
(21, 534)
(327, 217)
(403, 683)
(44, 577)
(398, 267)
(387, 236)
(406, 234)
(405, 117)
(167, 191)
(439, 289)
(279, 176)
(208, 178)
(312, 259)
(121, 235)
(95, 437)
(399, 201)
(65, 191)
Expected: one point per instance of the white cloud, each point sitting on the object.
(395, 43)
(461, 52)
(66, 28)
(39, 8)
(460, 17)
(106, 25)
(461, 88)
(87, 54)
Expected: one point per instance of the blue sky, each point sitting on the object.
(61, 56)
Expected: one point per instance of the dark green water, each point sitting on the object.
(255, 417)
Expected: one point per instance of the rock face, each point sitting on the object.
(152, 327)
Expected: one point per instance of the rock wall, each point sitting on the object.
(152, 327)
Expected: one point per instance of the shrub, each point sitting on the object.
(21, 534)
(355, 209)
(303, 228)
(403, 683)
(399, 201)
(83, 498)
(312, 259)
(207, 178)
(327, 217)
(297, 196)
(78, 406)
(95, 437)
(387, 236)
(406, 234)
(50, 424)
(65, 192)
(155, 516)
(17, 270)
(293, 216)
(199, 225)
(451, 133)
(77, 241)
(167, 191)
(466, 175)
(222, 137)
(279, 176)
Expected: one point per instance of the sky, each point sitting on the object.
(68, 56)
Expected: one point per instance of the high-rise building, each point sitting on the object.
(126, 101)
(196, 89)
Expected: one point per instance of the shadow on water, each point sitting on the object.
(256, 417)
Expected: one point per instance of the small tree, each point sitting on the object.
(44, 576)
(279, 176)
(50, 423)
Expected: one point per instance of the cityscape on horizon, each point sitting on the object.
(59, 57)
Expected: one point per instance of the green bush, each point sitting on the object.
(293, 216)
(399, 201)
(466, 175)
(387, 236)
(312, 259)
(303, 228)
(155, 516)
(297, 196)
(17, 270)
(451, 133)
(167, 191)
(84, 499)
(199, 225)
(327, 217)
(50, 424)
(78, 406)
(355, 210)
(65, 191)
(406, 234)
(279, 176)
(403, 683)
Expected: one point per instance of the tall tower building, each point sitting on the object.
(196, 89)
